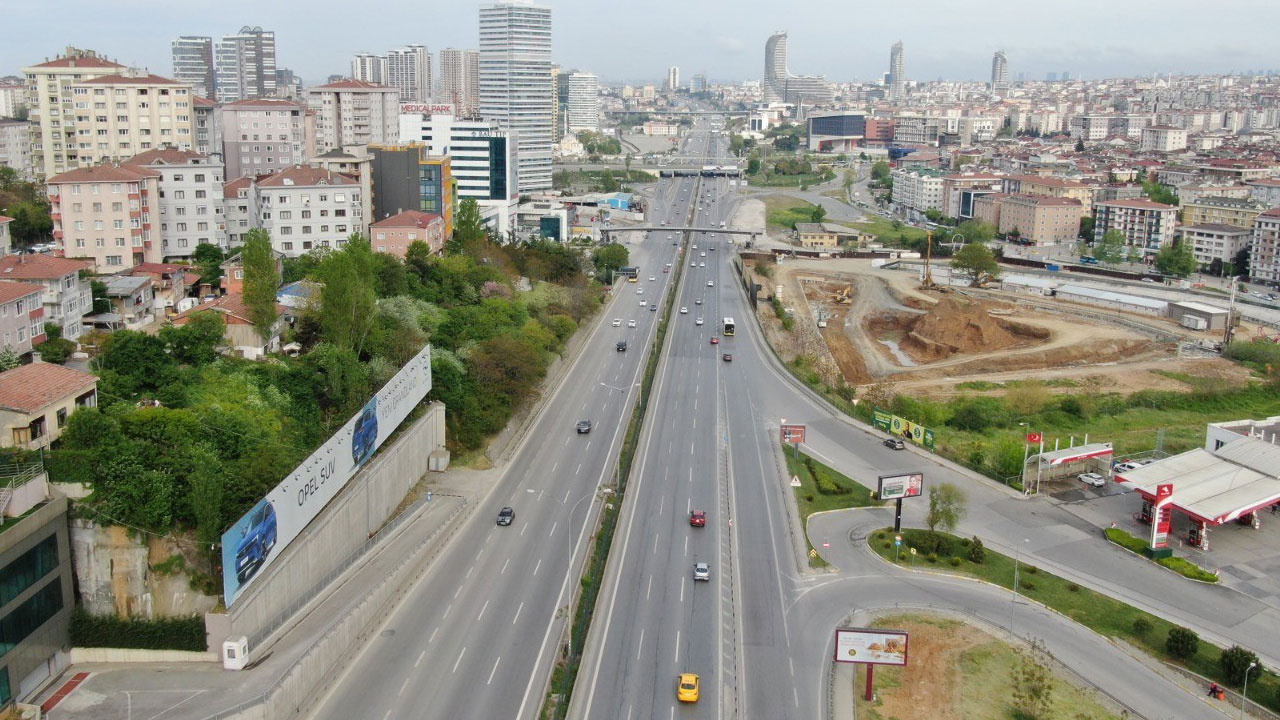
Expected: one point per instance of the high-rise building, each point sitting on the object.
(673, 78)
(245, 65)
(559, 96)
(52, 107)
(516, 88)
(897, 77)
(193, 64)
(370, 68)
(409, 71)
(1000, 74)
(453, 79)
(352, 112)
(146, 112)
(698, 83)
(583, 109)
(781, 86)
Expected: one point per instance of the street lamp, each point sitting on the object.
(1017, 553)
(1244, 692)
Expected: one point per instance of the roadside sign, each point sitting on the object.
(792, 433)
(795, 481)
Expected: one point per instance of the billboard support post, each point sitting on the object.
(870, 673)
(897, 516)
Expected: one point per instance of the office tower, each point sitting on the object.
(52, 107)
(781, 86)
(245, 65)
(370, 68)
(698, 83)
(1000, 74)
(897, 77)
(409, 71)
(516, 88)
(673, 78)
(193, 64)
(1051, 77)
(583, 108)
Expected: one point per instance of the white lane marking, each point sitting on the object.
(662, 501)
(690, 474)
(688, 506)
(566, 497)
(648, 589)
(495, 669)
(486, 607)
(455, 592)
(695, 424)
(553, 528)
(796, 696)
(677, 646)
(433, 636)
(503, 571)
(691, 447)
(419, 660)
(588, 445)
(554, 466)
(469, 571)
(579, 470)
(535, 567)
(686, 546)
(681, 600)
(517, 617)
(446, 612)
(672, 716)
(639, 648)
(403, 685)
(523, 528)
(655, 544)
(792, 663)
(566, 442)
(695, 404)
(458, 662)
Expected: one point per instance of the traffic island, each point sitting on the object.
(1159, 638)
(821, 489)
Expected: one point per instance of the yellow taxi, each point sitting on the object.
(687, 688)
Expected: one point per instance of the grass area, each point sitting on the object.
(973, 681)
(885, 231)
(1105, 615)
(794, 181)
(981, 385)
(1179, 565)
(836, 195)
(821, 489)
(785, 212)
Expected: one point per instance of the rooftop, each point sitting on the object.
(128, 79)
(120, 285)
(1217, 228)
(79, 62)
(29, 388)
(354, 85)
(408, 219)
(39, 266)
(104, 173)
(167, 156)
(1216, 487)
(11, 290)
(1136, 204)
(305, 176)
(1115, 297)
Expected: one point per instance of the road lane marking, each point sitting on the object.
(495, 669)
(579, 470)
(554, 466)
(503, 571)
(677, 645)
(446, 611)
(523, 528)
(458, 662)
(517, 617)
(433, 637)
(686, 546)
(553, 528)
(566, 497)
(661, 503)
(486, 607)
(535, 567)
(639, 648)
(690, 474)
(423, 654)
(455, 592)
(403, 685)
(691, 444)
(469, 570)
(681, 600)
(792, 663)
(650, 588)
(795, 694)
(588, 445)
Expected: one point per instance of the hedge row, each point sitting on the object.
(104, 631)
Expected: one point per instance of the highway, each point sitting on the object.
(477, 636)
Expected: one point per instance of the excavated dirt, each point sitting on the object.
(955, 326)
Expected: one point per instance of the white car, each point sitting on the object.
(639, 291)
(702, 254)
(617, 322)
(684, 311)
(693, 263)
(702, 264)
(695, 247)
(643, 303)
(711, 283)
(631, 323)
(652, 278)
(698, 321)
(1093, 479)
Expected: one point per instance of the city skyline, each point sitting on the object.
(939, 44)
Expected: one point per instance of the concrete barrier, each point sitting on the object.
(132, 655)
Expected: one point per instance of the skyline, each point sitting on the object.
(1181, 39)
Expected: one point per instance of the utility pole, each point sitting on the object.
(1231, 316)
(928, 256)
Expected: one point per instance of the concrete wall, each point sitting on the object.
(325, 547)
(127, 655)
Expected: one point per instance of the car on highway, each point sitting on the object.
(653, 307)
(684, 311)
(702, 254)
(702, 264)
(701, 571)
(698, 321)
(687, 688)
(584, 427)
(622, 346)
(697, 518)
(727, 357)
(695, 247)
(711, 283)
(895, 443)
(506, 516)
(617, 322)
(667, 269)
(631, 323)
(693, 263)
(652, 278)
(715, 340)
(643, 303)
(697, 301)
(1148, 280)
(1094, 479)
(639, 291)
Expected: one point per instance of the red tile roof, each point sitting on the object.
(151, 268)
(82, 62)
(305, 176)
(4, 219)
(232, 189)
(30, 388)
(1273, 212)
(197, 101)
(10, 290)
(231, 304)
(165, 156)
(352, 85)
(147, 79)
(1048, 180)
(39, 266)
(408, 219)
(104, 173)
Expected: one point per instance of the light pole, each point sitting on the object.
(1017, 553)
(1244, 691)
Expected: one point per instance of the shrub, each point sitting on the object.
(1073, 587)
(1028, 585)
(887, 544)
(932, 557)
(977, 553)
(880, 535)
(1182, 643)
(955, 562)
(185, 633)
(827, 486)
(964, 542)
(1032, 569)
(1234, 661)
(1141, 626)
(809, 497)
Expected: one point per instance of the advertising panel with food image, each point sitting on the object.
(867, 645)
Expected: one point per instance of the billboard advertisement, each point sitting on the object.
(865, 645)
(257, 538)
(895, 487)
(792, 433)
(904, 428)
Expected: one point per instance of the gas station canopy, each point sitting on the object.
(1238, 478)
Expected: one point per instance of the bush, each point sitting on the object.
(104, 631)
(955, 562)
(880, 535)
(1182, 643)
(1073, 588)
(977, 553)
(932, 557)
(1234, 661)
(1141, 626)
(964, 542)
(887, 544)
(1032, 569)
(1028, 585)
(809, 497)
(935, 543)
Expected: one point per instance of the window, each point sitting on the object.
(306, 214)
(28, 568)
(114, 260)
(179, 195)
(306, 229)
(286, 246)
(288, 214)
(200, 179)
(200, 194)
(30, 615)
(117, 207)
(286, 230)
(97, 207)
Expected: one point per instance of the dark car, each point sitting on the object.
(259, 538)
(622, 346)
(895, 443)
(584, 427)
(728, 357)
(364, 438)
(697, 518)
(506, 516)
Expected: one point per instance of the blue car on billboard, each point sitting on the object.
(259, 538)
(365, 438)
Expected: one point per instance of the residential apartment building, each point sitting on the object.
(306, 208)
(1264, 250)
(395, 234)
(1050, 186)
(1265, 191)
(1041, 219)
(582, 112)
(918, 189)
(1163, 138)
(1145, 224)
(208, 126)
(264, 136)
(191, 204)
(106, 214)
(51, 105)
(245, 65)
(482, 159)
(119, 116)
(953, 202)
(13, 97)
(357, 164)
(353, 112)
(6, 236)
(1216, 242)
(370, 68)
(411, 177)
(21, 315)
(815, 236)
(460, 80)
(1094, 128)
(193, 64)
(66, 298)
(132, 299)
(516, 87)
(1236, 212)
(240, 198)
(409, 72)
(1193, 192)
(15, 145)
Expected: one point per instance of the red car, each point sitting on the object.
(715, 341)
(697, 518)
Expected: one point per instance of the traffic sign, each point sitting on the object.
(795, 481)
(813, 553)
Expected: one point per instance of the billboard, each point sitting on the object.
(876, 647)
(914, 432)
(254, 541)
(895, 487)
(791, 432)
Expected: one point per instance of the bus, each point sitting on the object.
(728, 326)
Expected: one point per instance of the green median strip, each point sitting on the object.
(1105, 615)
(821, 489)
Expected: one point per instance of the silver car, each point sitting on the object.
(701, 571)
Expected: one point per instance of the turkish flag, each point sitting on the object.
(1034, 437)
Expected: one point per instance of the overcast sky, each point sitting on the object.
(636, 41)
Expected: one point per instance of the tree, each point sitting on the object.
(609, 258)
(1111, 248)
(1080, 145)
(817, 213)
(1182, 643)
(1235, 661)
(977, 262)
(31, 222)
(1240, 263)
(946, 507)
(753, 165)
(208, 257)
(977, 231)
(261, 281)
(55, 348)
(1086, 227)
(1032, 684)
(1176, 259)
(1159, 193)
(196, 342)
(348, 298)
(8, 178)
(468, 225)
(880, 171)
(9, 359)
